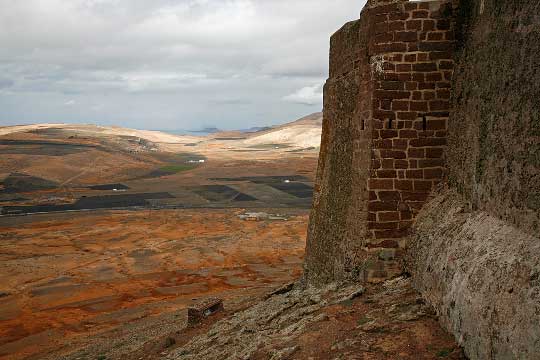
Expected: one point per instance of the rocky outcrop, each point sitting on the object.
(387, 320)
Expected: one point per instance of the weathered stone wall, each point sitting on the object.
(475, 251)
(338, 213)
(407, 80)
(385, 117)
(412, 61)
(494, 152)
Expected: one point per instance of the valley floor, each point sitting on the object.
(77, 276)
(116, 284)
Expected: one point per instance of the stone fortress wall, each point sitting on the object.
(430, 164)
(386, 112)
(475, 249)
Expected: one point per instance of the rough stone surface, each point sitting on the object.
(482, 275)
(494, 128)
(339, 192)
(386, 106)
(476, 257)
(418, 92)
(347, 322)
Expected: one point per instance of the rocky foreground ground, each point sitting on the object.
(386, 321)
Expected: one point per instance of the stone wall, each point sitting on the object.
(494, 153)
(475, 251)
(340, 193)
(412, 61)
(421, 92)
(386, 109)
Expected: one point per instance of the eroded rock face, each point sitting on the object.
(279, 319)
(482, 275)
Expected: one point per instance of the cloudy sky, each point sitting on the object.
(165, 64)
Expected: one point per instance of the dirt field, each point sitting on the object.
(72, 268)
(80, 168)
(68, 278)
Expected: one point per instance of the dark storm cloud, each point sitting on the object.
(164, 63)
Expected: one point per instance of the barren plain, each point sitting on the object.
(104, 227)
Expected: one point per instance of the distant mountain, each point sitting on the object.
(256, 129)
(207, 130)
(304, 133)
(313, 119)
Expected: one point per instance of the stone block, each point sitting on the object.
(203, 309)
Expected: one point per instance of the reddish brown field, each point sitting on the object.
(68, 280)
(79, 275)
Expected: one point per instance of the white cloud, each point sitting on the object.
(176, 62)
(309, 95)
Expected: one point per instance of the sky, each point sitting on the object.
(166, 64)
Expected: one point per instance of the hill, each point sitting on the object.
(303, 133)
